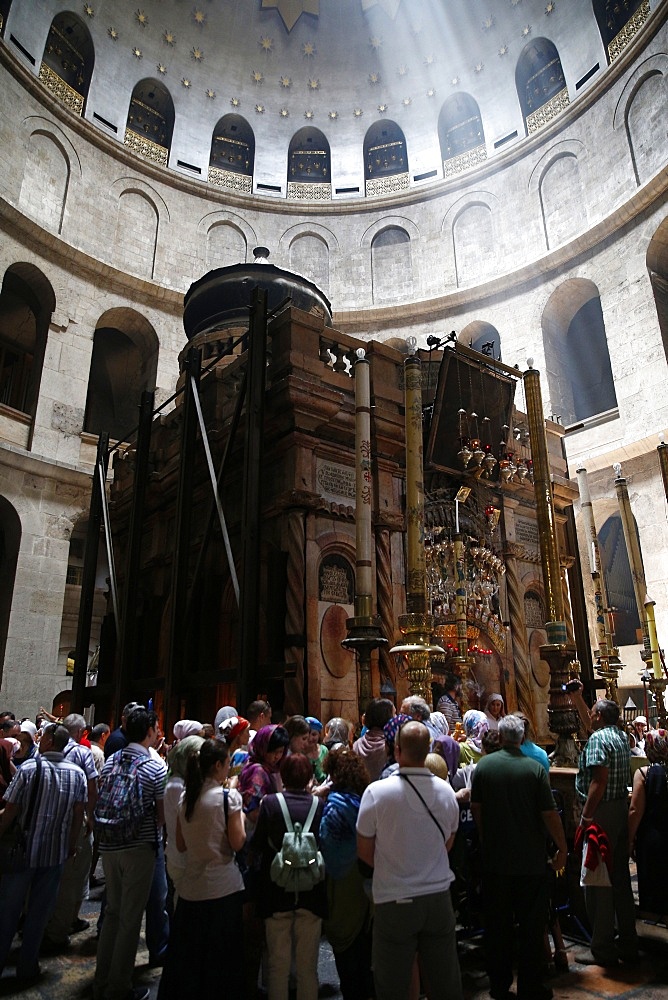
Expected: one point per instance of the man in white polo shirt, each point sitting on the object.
(405, 827)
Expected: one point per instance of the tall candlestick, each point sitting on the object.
(653, 640)
(363, 485)
(416, 575)
(603, 633)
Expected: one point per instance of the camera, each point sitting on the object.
(571, 686)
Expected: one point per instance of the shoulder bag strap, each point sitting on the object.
(421, 798)
(309, 819)
(284, 809)
(33, 793)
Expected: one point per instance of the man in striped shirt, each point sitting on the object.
(56, 818)
(128, 868)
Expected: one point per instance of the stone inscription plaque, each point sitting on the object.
(336, 481)
(526, 533)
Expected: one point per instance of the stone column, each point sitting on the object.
(518, 631)
(384, 599)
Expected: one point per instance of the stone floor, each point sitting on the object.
(69, 977)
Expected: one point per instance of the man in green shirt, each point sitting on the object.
(602, 787)
(514, 811)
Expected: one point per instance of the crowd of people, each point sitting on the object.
(252, 836)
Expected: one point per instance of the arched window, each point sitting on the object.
(309, 173)
(618, 21)
(579, 374)
(232, 155)
(619, 582)
(150, 121)
(541, 85)
(67, 64)
(461, 134)
(4, 14)
(10, 539)
(657, 264)
(483, 338)
(27, 301)
(385, 159)
(309, 255)
(123, 365)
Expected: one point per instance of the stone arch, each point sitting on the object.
(309, 256)
(123, 365)
(391, 266)
(68, 60)
(150, 121)
(483, 338)
(46, 179)
(642, 111)
(136, 235)
(657, 265)
(27, 302)
(562, 202)
(10, 541)
(474, 243)
(577, 359)
(233, 146)
(309, 160)
(539, 79)
(225, 245)
(385, 157)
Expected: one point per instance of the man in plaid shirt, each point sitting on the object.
(602, 787)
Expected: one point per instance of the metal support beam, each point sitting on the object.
(128, 632)
(181, 555)
(252, 478)
(89, 575)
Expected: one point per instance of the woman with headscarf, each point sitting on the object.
(475, 727)
(27, 746)
(177, 758)
(316, 751)
(494, 710)
(450, 750)
(260, 776)
(648, 826)
(390, 730)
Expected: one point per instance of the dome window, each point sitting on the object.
(232, 155)
(461, 134)
(67, 64)
(150, 121)
(541, 85)
(385, 159)
(309, 172)
(619, 21)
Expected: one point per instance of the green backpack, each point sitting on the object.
(298, 866)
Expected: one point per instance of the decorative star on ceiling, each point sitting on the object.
(429, 59)
(142, 18)
(374, 78)
(169, 38)
(292, 10)
(199, 17)
(211, 94)
(375, 42)
(526, 30)
(235, 102)
(455, 81)
(514, 3)
(161, 68)
(389, 6)
(197, 54)
(488, 23)
(309, 115)
(479, 67)
(256, 76)
(431, 92)
(113, 34)
(383, 108)
(309, 49)
(402, 70)
(357, 113)
(333, 115)
(88, 10)
(266, 43)
(285, 81)
(550, 7)
(136, 52)
(407, 101)
(314, 84)
(503, 51)
(284, 113)
(259, 108)
(186, 82)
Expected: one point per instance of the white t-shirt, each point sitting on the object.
(211, 871)
(410, 855)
